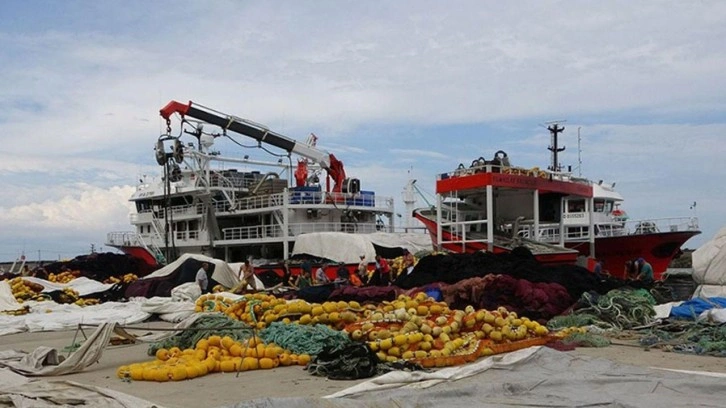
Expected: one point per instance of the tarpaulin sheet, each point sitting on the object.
(17, 391)
(7, 300)
(84, 286)
(347, 248)
(709, 261)
(223, 272)
(533, 377)
(691, 309)
(51, 316)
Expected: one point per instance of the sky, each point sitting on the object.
(396, 90)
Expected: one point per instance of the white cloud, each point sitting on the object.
(82, 104)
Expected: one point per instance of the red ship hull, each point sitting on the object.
(141, 254)
(658, 249)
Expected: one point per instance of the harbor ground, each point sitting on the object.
(222, 389)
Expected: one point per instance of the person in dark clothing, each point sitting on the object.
(342, 272)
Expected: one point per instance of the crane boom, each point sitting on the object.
(327, 161)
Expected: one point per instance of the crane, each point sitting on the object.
(327, 161)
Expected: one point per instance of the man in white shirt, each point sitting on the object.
(202, 279)
(320, 277)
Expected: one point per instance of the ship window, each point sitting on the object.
(599, 206)
(575, 206)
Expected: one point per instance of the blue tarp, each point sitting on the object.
(691, 309)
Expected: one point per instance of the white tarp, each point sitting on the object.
(7, 300)
(20, 392)
(84, 286)
(51, 316)
(347, 248)
(535, 377)
(709, 291)
(223, 272)
(168, 309)
(709, 261)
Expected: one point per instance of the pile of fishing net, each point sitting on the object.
(519, 264)
(204, 326)
(536, 300)
(688, 337)
(353, 361)
(619, 309)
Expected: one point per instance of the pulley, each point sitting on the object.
(178, 151)
(160, 154)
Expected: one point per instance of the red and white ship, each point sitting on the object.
(494, 206)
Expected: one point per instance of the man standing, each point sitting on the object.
(384, 270)
(202, 279)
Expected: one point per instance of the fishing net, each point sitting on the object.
(304, 339)
(619, 309)
(688, 337)
(205, 326)
(586, 340)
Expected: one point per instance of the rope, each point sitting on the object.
(688, 337)
(303, 339)
(619, 309)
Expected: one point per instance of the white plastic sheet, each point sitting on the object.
(7, 300)
(17, 391)
(51, 316)
(348, 248)
(223, 273)
(709, 261)
(536, 377)
(84, 286)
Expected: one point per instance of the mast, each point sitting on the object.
(555, 129)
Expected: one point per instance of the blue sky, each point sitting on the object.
(394, 89)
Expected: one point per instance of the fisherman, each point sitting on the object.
(320, 277)
(246, 278)
(645, 271)
(383, 270)
(202, 279)
(408, 261)
(303, 280)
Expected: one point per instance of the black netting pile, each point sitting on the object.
(539, 301)
(101, 266)
(519, 264)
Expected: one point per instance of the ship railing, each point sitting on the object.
(650, 226)
(479, 166)
(276, 231)
(262, 201)
(313, 198)
(123, 238)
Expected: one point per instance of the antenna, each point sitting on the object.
(579, 154)
(555, 128)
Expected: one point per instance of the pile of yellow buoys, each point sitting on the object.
(417, 328)
(25, 290)
(211, 355)
(63, 277)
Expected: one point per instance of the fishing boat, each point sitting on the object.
(228, 208)
(492, 205)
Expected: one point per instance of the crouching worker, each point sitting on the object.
(246, 278)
